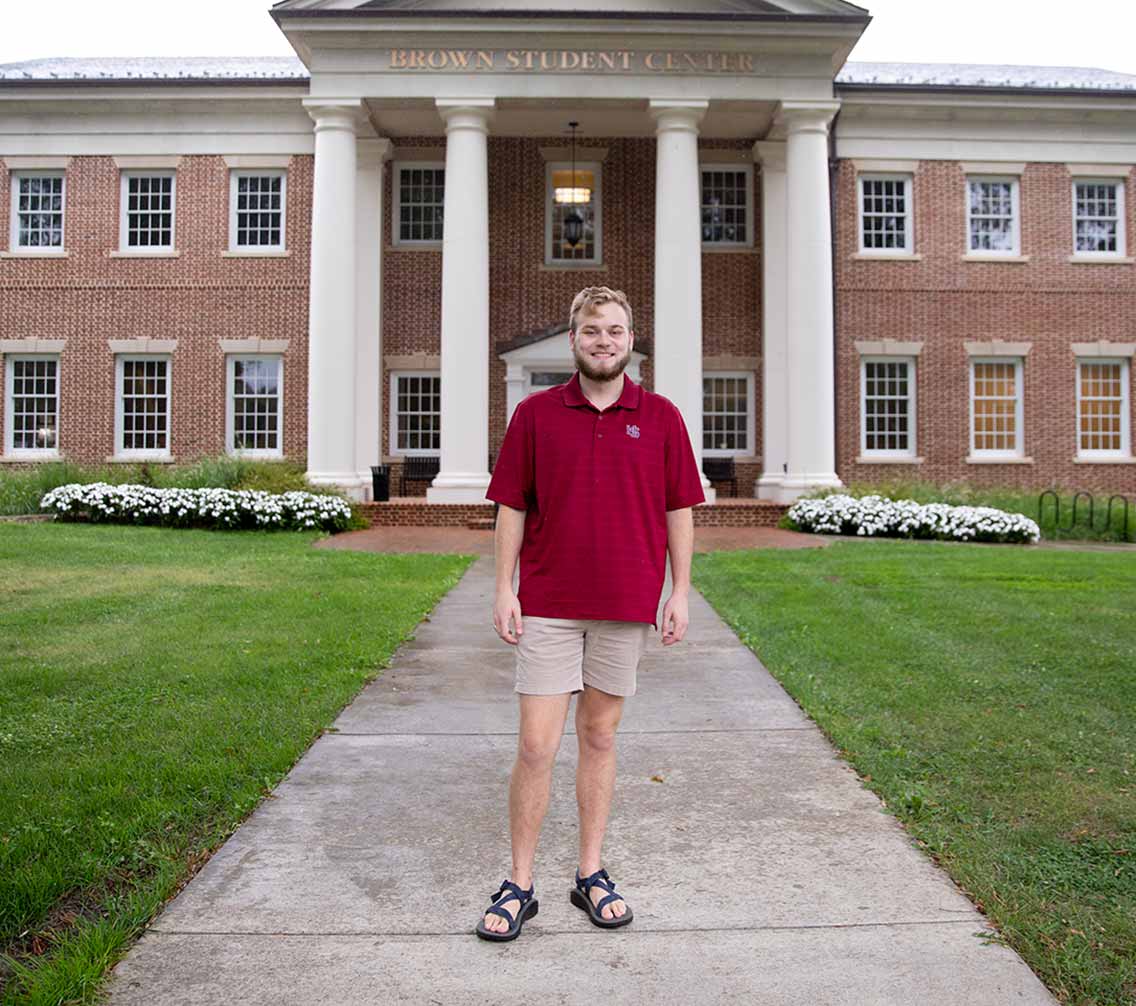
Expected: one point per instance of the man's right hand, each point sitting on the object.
(507, 608)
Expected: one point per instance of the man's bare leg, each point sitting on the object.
(542, 725)
(597, 718)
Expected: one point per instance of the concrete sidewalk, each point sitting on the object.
(759, 868)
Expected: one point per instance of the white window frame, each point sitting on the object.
(396, 202)
(395, 450)
(1125, 450)
(135, 453)
(747, 170)
(568, 370)
(1018, 450)
(1015, 208)
(10, 449)
(912, 410)
(14, 213)
(235, 174)
(908, 217)
(750, 451)
(1121, 236)
(230, 406)
(124, 246)
(596, 167)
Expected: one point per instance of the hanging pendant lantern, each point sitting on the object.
(573, 222)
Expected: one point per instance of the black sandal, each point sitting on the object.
(580, 896)
(508, 892)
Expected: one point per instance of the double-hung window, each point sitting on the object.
(31, 406)
(148, 212)
(254, 404)
(727, 414)
(993, 216)
(142, 406)
(38, 201)
(1098, 218)
(256, 210)
(887, 400)
(727, 205)
(573, 213)
(996, 407)
(416, 413)
(418, 202)
(885, 214)
(1102, 409)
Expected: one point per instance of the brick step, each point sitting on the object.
(414, 511)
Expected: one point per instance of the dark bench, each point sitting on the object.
(418, 469)
(721, 470)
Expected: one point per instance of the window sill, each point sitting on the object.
(742, 456)
(269, 253)
(143, 254)
(1100, 260)
(574, 267)
(32, 456)
(407, 246)
(1120, 459)
(869, 459)
(973, 459)
(885, 257)
(35, 254)
(133, 459)
(977, 257)
(258, 455)
(720, 249)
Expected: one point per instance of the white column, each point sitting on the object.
(774, 330)
(372, 153)
(678, 265)
(332, 305)
(812, 438)
(463, 475)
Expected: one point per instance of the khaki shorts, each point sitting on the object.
(560, 655)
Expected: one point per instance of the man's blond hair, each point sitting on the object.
(591, 297)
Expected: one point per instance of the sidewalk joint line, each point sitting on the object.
(367, 933)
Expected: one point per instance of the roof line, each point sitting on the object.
(986, 89)
(155, 81)
(851, 19)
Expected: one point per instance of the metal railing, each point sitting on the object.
(1078, 507)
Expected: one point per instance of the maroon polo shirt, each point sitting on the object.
(596, 488)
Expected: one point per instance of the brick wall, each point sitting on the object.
(525, 295)
(944, 302)
(197, 298)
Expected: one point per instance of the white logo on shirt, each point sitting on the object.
(633, 432)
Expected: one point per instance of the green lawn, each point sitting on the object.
(155, 686)
(987, 694)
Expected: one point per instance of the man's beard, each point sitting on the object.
(615, 366)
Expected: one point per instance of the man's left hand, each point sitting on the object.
(676, 617)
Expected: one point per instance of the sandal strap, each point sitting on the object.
(503, 912)
(513, 891)
(603, 902)
(598, 879)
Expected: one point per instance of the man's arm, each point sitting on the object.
(507, 537)
(680, 546)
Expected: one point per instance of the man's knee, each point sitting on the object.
(597, 735)
(537, 752)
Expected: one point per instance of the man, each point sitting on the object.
(596, 480)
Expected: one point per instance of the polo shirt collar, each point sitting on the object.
(573, 396)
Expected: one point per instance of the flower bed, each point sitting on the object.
(875, 516)
(201, 508)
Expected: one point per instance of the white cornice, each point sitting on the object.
(998, 347)
(32, 345)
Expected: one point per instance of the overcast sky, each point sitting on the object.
(1045, 32)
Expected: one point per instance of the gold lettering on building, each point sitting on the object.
(571, 61)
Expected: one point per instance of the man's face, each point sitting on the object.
(601, 344)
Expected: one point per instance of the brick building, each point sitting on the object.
(840, 271)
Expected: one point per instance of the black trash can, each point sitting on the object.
(380, 483)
